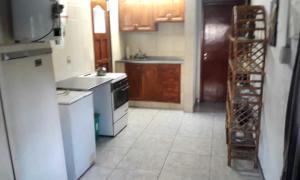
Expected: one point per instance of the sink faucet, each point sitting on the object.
(140, 54)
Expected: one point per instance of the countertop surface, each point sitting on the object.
(154, 60)
(65, 97)
(114, 76)
(82, 83)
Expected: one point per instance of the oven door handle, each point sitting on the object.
(124, 89)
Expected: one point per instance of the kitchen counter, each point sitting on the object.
(82, 83)
(154, 60)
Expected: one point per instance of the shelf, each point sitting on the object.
(245, 82)
(236, 69)
(243, 153)
(245, 40)
(247, 141)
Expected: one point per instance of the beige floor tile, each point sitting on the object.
(123, 140)
(123, 174)
(97, 173)
(219, 147)
(172, 145)
(220, 171)
(154, 129)
(180, 166)
(154, 142)
(143, 159)
(110, 157)
(191, 145)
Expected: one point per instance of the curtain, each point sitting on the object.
(291, 169)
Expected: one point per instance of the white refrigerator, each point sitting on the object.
(30, 130)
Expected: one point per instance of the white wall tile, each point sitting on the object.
(167, 41)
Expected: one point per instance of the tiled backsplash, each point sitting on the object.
(167, 41)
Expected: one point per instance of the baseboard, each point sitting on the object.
(155, 105)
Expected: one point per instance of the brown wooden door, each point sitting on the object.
(101, 34)
(215, 47)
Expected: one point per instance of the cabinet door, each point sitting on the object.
(136, 15)
(127, 15)
(151, 86)
(169, 10)
(169, 75)
(162, 10)
(144, 15)
(177, 10)
(134, 73)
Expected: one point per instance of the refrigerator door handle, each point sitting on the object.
(24, 54)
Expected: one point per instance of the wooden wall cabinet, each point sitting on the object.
(136, 15)
(142, 15)
(169, 10)
(154, 82)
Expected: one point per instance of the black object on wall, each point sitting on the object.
(291, 169)
(273, 23)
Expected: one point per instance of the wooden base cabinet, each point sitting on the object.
(134, 73)
(154, 82)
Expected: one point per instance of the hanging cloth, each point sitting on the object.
(291, 170)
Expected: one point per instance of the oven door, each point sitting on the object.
(120, 96)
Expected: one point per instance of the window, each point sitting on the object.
(99, 19)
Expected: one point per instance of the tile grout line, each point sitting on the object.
(130, 148)
(170, 147)
(211, 148)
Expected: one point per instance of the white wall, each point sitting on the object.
(276, 90)
(167, 41)
(199, 37)
(117, 44)
(6, 171)
(78, 46)
(191, 52)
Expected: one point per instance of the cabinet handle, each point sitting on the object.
(169, 15)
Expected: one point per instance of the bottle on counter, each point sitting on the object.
(127, 55)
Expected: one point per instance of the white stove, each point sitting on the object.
(119, 96)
